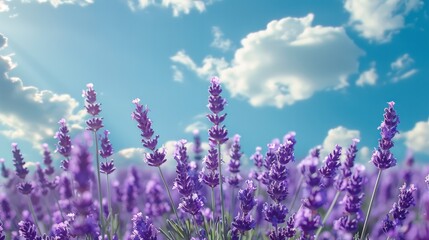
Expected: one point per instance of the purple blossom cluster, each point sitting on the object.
(334, 197)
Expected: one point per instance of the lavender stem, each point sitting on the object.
(365, 225)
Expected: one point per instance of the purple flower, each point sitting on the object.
(80, 166)
(156, 204)
(144, 124)
(217, 133)
(93, 108)
(285, 151)
(130, 197)
(106, 147)
(94, 124)
(27, 230)
(107, 167)
(18, 162)
(332, 162)
(308, 222)
(382, 157)
(247, 197)
(234, 163)
(275, 213)
(197, 149)
(25, 188)
(4, 171)
(64, 142)
(243, 223)
(143, 228)
(183, 182)
(2, 236)
(47, 160)
(156, 158)
(191, 204)
(353, 202)
(405, 201)
(350, 158)
(210, 175)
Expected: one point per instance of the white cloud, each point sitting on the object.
(177, 74)
(4, 7)
(5, 4)
(378, 20)
(29, 113)
(341, 136)
(417, 139)
(178, 6)
(402, 68)
(287, 62)
(219, 41)
(369, 77)
(210, 66)
(198, 125)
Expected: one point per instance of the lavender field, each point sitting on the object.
(210, 196)
(214, 120)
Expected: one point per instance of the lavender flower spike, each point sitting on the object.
(234, 163)
(64, 145)
(382, 157)
(92, 108)
(19, 163)
(244, 222)
(143, 228)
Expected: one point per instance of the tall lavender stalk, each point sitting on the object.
(24, 188)
(93, 108)
(107, 167)
(382, 157)
(156, 156)
(218, 133)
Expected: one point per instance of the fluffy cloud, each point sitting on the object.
(178, 6)
(3, 8)
(219, 41)
(417, 139)
(378, 20)
(287, 62)
(210, 66)
(341, 136)
(369, 77)
(29, 113)
(196, 126)
(402, 68)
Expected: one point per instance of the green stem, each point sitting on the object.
(365, 225)
(169, 194)
(109, 200)
(325, 218)
(301, 180)
(222, 208)
(33, 213)
(100, 198)
(213, 205)
(59, 207)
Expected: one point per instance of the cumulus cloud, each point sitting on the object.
(210, 66)
(369, 77)
(178, 6)
(402, 68)
(29, 113)
(378, 20)
(219, 41)
(417, 139)
(286, 62)
(3, 8)
(341, 136)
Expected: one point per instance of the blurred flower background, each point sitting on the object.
(315, 76)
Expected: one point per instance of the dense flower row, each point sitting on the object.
(281, 197)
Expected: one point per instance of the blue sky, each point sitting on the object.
(324, 69)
